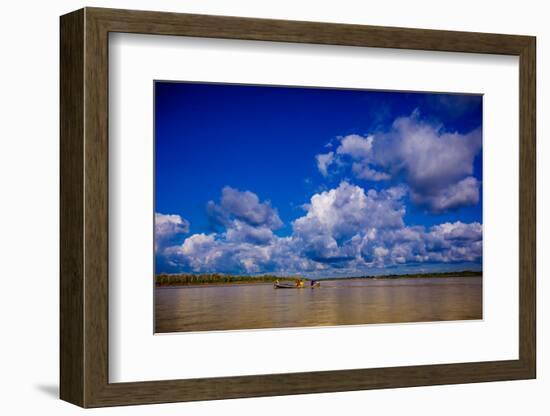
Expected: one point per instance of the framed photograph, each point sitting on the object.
(255, 207)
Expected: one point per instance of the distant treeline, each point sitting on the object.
(205, 279)
(215, 278)
(463, 273)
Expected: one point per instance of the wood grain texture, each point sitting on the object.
(96, 207)
(71, 100)
(527, 207)
(84, 207)
(162, 23)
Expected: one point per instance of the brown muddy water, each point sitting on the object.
(346, 302)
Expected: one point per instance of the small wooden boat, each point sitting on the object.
(286, 286)
(294, 285)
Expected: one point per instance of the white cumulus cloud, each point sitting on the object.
(244, 206)
(168, 226)
(324, 161)
(436, 164)
(344, 230)
(356, 146)
(462, 193)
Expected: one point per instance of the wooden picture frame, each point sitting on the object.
(84, 207)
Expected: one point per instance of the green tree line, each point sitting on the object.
(218, 278)
(201, 279)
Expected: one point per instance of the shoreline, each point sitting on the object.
(160, 286)
(328, 279)
(332, 279)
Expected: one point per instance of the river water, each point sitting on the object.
(346, 302)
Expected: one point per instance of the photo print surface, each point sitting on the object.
(280, 207)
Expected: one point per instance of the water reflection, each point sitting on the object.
(229, 307)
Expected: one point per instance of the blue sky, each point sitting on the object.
(248, 176)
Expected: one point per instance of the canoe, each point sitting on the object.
(294, 285)
(287, 286)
